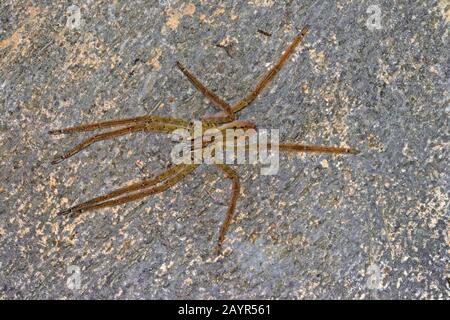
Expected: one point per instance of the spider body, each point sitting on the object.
(223, 120)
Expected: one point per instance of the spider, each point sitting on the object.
(224, 119)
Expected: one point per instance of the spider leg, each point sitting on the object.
(214, 98)
(231, 174)
(126, 189)
(120, 122)
(236, 124)
(293, 147)
(264, 81)
(220, 117)
(97, 137)
(141, 193)
(157, 127)
(271, 73)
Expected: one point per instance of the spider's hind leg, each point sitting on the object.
(231, 174)
(134, 192)
(145, 183)
(312, 148)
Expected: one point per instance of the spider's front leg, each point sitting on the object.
(266, 78)
(95, 138)
(138, 124)
(120, 123)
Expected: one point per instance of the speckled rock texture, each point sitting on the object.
(370, 226)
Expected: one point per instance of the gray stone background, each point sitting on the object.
(369, 226)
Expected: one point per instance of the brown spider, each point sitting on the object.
(225, 119)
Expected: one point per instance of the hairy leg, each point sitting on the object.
(265, 80)
(149, 127)
(293, 147)
(127, 189)
(214, 98)
(120, 122)
(141, 193)
(271, 73)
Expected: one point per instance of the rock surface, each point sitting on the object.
(369, 226)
